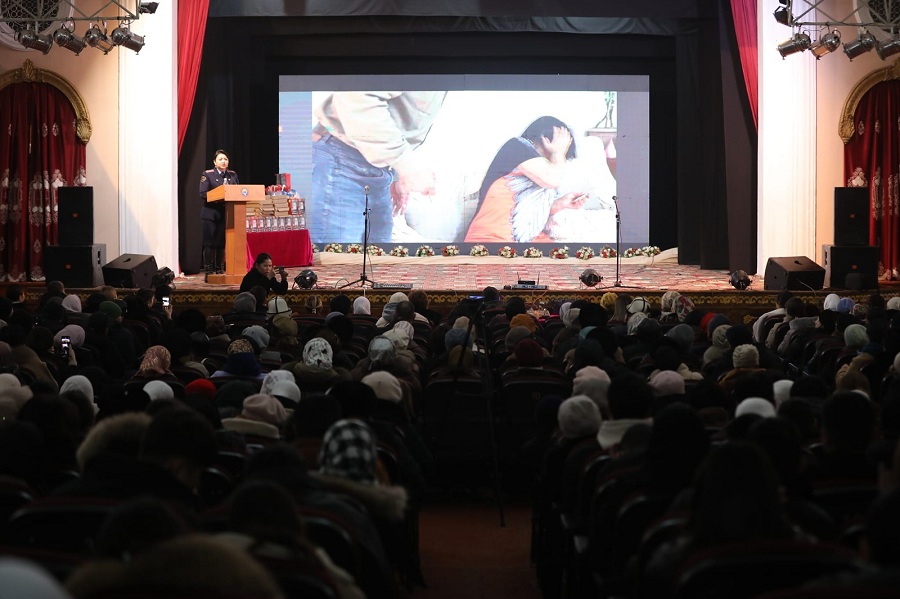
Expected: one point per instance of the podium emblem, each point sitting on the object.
(245, 192)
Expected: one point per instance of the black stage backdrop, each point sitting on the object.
(702, 189)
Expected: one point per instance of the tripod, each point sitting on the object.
(363, 279)
(618, 282)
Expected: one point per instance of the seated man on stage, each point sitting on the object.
(263, 275)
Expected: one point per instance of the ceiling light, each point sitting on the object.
(96, 38)
(122, 36)
(783, 15)
(65, 38)
(888, 48)
(859, 46)
(798, 43)
(34, 41)
(590, 277)
(148, 8)
(826, 44)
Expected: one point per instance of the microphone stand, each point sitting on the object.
(363, 279)
(618, 282)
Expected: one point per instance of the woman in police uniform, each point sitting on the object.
(212, 216)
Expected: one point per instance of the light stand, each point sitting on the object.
(618, 282)
(363, 279)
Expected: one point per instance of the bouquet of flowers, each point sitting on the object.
(649, 251)
(630, 253)
(478, 250)
(450, 250)
(400, 251)
(315, 248)
(584, 253)
(425, 250)
(374, 250)
(533, 252)
(607, 252)
(335, 248)
(506, 252)
(354, 248)
(560, 253)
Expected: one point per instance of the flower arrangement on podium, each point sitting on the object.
(560, 253)
(374, 250)
(506, 252)
(584, 253)
(630, 253)
(315, 248)
(478, 250)
(648, 251)
(425, 251)
(334, 248)
(607, 252)
(532, 252)
(400, 251)
(450, 250)
(354, 248)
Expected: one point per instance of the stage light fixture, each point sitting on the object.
(34, 41)
(123, 36)
(782, 14)
(590, 277)
(307, 279)
(888, 48)
(826, 44)
(740, 279)
(66, 38)
(163, 276)
(798, 43)
(864, 43)
(148, 8)
(96, 38)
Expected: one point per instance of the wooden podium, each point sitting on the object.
(236, 198)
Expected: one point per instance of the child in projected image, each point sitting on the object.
(519, 192)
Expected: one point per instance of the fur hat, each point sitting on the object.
(755, 405)
(286, 389)
(638, 304)
(277, 305)
(579, 417)
(667, 382)
(264, 408)
(313, 304)
(385, 385)
(745, 356)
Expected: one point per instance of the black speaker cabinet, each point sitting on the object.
(851, 267)
(76, 215)
(75, 265)
(131, 271)
(851, 216)
(795, 273)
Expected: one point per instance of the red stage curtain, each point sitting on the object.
(871, 160)
(191, 31)
(744, 15)
(39, 153)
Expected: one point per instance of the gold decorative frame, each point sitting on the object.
(29, 73)
(846, 126)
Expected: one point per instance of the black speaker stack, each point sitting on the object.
(77, 261)
(851, 263)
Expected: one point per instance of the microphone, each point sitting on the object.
(615, 199)
(367, 189)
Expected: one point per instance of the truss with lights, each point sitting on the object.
(873, 19)
(36, 25)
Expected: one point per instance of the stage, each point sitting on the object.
(449, 279)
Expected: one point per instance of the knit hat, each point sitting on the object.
(258, 335)
(111, 309)
(385, 385)
(608, 300)
(855, 336)
(158, 390)
(204, 387)
(755, 405)
(318, 353)
(240, 346)
(667, 382)
(745, 356)
(362, 305)
(529, 353)
(285, 325)
(398, 337)
(704, 322)
(845, 305)
(277, 305)
(523, 320)
(638, 304)
(348, 451)
(782, 390)
(579, 417)
(285, 389)
(72, 303)
(245, 303)
(264, 408)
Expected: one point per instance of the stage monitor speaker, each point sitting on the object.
(795, 273)
(75, 265)
(130, 271)
(76, 215)
(851, 267)
(851, 216)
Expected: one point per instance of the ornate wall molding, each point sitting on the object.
(30, 73)
(846, 126)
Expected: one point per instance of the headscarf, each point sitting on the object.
(523, 320)
(633, 321)
(245, 303)
(381, 350)
(571, 318)
(78, 383)
(682, 334)
(111, 309)
(563, 308)
(668, 301)
(845, 305)
(362, 305)
(385, 385)
(831, 302)
(579, 417)
(156, 362)
(514, 335)
(72, 303)
(258, 335)
(683, 307)
(317, 353)
(782, 391)
(390, 308)
(755, 405)
(264, 408)
(745, 356)
(398, 337)
(454, 338)
(855, 336)
(74, 332)
(893, 303)
(348, 451)
(273, 377)
(158, 390)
